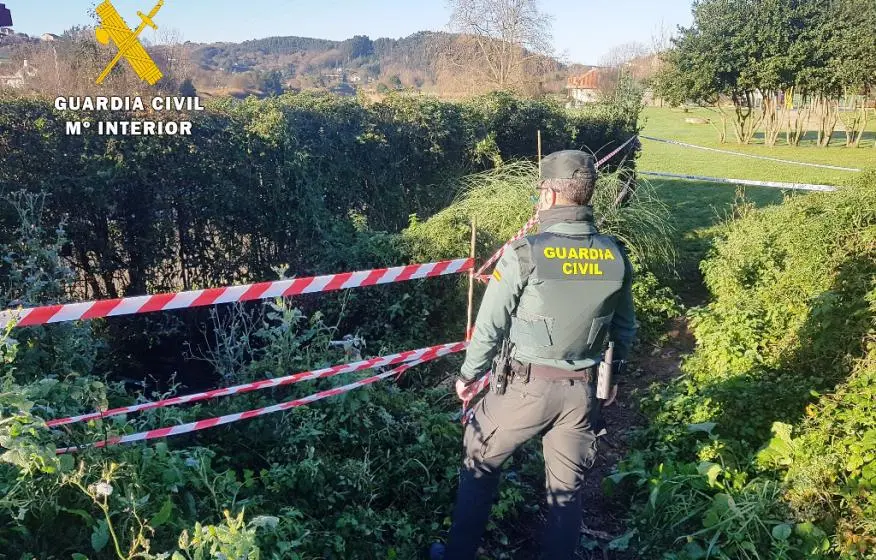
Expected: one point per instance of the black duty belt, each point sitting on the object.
(538, 371)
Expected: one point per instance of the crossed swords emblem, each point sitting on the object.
(113, 28)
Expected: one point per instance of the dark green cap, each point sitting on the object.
(564, 164)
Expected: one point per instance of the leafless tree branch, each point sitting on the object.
(506, 41)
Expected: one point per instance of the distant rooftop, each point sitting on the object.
(588, 80)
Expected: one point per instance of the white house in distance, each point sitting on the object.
(49, 37)
(583, 89)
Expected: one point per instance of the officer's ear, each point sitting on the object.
(546, 197)
(549, 200)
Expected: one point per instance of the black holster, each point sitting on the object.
(520, 371)
(501, 369)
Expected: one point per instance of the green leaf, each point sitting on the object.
(804, 529)
(706, 427)
(163, 514)
(723, 503)
(89, 520)
(710, 471)
(265, 522)
(100, 536)
(618, 477)
(694, 551)
(710, 519)
(782, 531)
(622, 542)
(652, 498)
(77, 556)
(67, 463)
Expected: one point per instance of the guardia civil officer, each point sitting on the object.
(557, 296)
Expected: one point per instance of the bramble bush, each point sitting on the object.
(765, 447)
(315, 479)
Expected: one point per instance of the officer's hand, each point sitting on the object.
(464, 391)
(612, 396)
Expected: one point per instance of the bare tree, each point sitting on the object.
(508, 43)
(631, 59)
(661, 38)
(172, 55)
(69, 66)
(625, 53)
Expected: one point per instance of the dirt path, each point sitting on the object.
(604, 517)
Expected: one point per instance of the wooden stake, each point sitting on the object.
(471, 279)
(539, 154)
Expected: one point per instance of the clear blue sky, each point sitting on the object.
(585, 30)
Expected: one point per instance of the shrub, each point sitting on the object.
(787, 344)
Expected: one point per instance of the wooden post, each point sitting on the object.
(539, 154)
(471, 280)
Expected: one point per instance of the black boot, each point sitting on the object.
(474, 500)
(563, 530)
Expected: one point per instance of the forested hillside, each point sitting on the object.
(270, 66)
(377, 65)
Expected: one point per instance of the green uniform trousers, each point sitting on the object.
(565, 413)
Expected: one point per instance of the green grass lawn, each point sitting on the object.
(697, 206)
(669, 124)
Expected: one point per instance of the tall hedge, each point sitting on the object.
(261, 183)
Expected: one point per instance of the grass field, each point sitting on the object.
(669, 124)
(697, 206)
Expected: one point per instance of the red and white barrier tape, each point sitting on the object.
(247, 292)
(473, 391)
(519, 235)
(393, 359)
(481, 272)
(236, 417)
(480, 384)
(613, 153)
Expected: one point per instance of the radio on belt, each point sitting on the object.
(603, 380)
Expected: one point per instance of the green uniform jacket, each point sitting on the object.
(510, 282)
